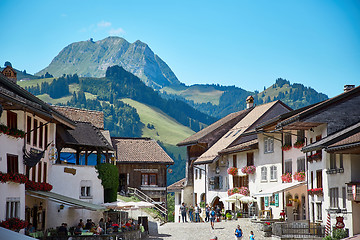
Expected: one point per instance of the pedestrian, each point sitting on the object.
(207, 212)
(191, 212)
(252, 237)
(218, 213)
(238, 232)
(197, 213)
(183, 212)
(212, 217)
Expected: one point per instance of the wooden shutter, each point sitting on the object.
(277, 200)
(266, 201)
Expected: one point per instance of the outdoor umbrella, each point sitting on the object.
(247, 199)
(237, 197)
(227, 199)
(118, 205)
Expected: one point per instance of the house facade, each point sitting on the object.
(143, 165)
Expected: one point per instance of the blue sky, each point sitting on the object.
(244, 43)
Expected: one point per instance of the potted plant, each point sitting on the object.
(267, 227)
(239, 215)
(299, 144)
(232, 171)
(286, 147)
(299, 176)
(287, 178)
(248, 169)
(228, 216)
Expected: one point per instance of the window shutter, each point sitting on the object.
(220, 182)
(271, 145)
(277, 200)
(266, 201)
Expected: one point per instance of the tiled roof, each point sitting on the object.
(139, 150)
(96, 118)
(318, 107)
(348, 135)
(196, 138)
(10, 91)
(176, 186)
(253, 144)
(234, 133)
(84, 135)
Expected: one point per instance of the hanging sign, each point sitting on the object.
(53, 153)
(340, 222)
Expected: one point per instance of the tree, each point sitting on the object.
(7, 63)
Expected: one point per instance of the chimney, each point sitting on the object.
(249, 102)
(348, 87)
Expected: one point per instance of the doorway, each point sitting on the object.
(122, 183)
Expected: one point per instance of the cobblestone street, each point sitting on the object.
(192, 231)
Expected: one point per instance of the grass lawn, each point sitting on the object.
(167, 129)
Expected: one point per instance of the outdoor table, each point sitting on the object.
(87, 233)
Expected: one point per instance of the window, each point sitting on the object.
(35, 133)
(268, 145)
(241, 181)
(287, 139)
(12, 208)
(196, 173)
(319, 211)
(46, 136)
(148, 179)
(28, 128)
(334, 197)
(344, 197)
(229, 134)
(235, 161)
(263, 174)
(218, 182)
(301, 136)
(199, 174)
(273, 173)
(301, 164)
(341, 161)
(33, 174)
(41, 132)
(288, 166)
(11, 120)
(332, 161)
(39, 167)
(45, 172)
(318, 137)
(250, 159)
(319, 179)
(12, 164)
(86, 191)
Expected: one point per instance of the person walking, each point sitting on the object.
(212, 217)
(207, 212)
(191, 212)
(197, 213)
(183, 212)
(252, 237)
(238, 232)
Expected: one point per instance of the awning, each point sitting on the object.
(72, 202)
(279, 188)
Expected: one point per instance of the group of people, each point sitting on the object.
(102, 227)
(191, 211)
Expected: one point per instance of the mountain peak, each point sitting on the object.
(91, 59)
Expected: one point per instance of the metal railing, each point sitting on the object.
(142, 196)
(300, 232)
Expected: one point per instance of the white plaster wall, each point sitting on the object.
(69, 185)
(177, 217)
(199, 183)
(221, 193)
(11, 145)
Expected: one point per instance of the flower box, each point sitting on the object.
(13, 177)
(248, 169)
(232, 171)
(315, 191)
(242, 190)
(37, 186)
(286, 147)
(16, 133)
(14, 224)
(299, 144)
(299, 176)
(287, 178)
